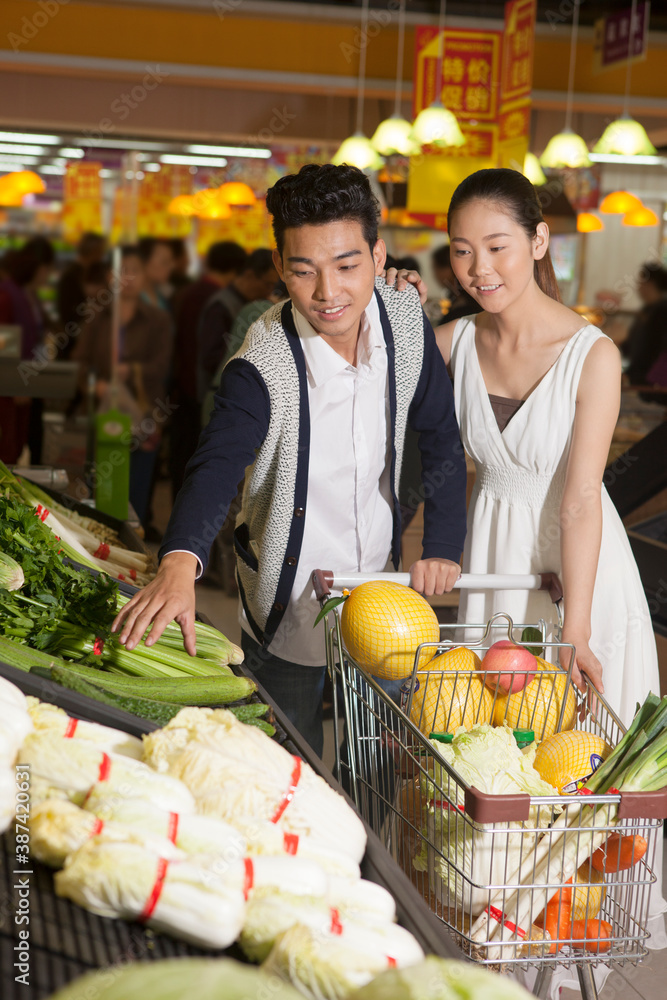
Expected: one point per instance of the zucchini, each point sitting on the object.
(154, 711)
(199, 691)
(246, 713)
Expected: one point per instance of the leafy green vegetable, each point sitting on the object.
(441, 979)
(178, 979)
(53, 590)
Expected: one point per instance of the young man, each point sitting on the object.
(316, 402)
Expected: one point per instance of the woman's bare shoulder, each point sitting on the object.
(444, 336)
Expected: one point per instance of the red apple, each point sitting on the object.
(508, 656)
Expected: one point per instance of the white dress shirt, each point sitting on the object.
(349, 511)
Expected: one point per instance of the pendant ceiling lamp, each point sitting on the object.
(619, 202)
(435, 125)
(237, 193)
(625, 136)
(640, 217)
(567, 149)
(393, 134)
(532, 170)
(27, 182)
(587, 222)
(357, 150)
(182, 204)
(210, 204)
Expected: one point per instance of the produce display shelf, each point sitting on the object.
(126, 533)
(67, 941)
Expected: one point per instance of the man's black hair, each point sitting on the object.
(323, 193)
(442, 256)
(147, 245)
(225, 256)
(260, 261)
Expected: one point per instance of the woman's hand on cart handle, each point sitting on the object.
(585, 661)
(170, 597)
(434, 576)
(403, 278)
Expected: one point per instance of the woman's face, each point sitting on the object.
(492, 257)
(160, 265)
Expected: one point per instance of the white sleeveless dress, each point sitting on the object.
(513, 527)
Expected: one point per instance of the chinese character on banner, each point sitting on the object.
(486, 82)
(517, 75)
(471, 65)
(616, 40)
(82, 200)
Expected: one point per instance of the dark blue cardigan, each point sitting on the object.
(240, 422)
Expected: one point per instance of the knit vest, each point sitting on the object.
(270, 524)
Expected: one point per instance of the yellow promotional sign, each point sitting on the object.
(486, 83)
(82, 200)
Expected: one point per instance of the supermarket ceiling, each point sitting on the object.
(553, 13)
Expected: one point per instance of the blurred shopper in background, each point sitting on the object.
(70, 291)
(224, 262)
(144, 353)
(179, 279)
(647, 338)
(257, 281)
(158, 258)
(26, 271)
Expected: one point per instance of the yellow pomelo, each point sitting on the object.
(382, 625)
(587, 899)
(566, 759)
(538, 706)
(442, 702)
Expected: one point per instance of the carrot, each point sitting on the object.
(619, 853)
(592, 935)
(565, 893)
(556, 919)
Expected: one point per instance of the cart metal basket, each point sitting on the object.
(488, 864)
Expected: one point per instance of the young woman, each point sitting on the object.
(537, 397)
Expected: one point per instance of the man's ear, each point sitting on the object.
(380, 255)
(541, 241)
(278, 264)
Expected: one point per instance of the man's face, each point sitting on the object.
(261, 286)
(330, 274)
(131, 277)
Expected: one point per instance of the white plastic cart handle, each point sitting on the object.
(324, 581)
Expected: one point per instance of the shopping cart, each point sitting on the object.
(488, 864)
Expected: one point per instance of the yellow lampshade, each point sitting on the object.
(566, 149)
(619, 202)
(640, 217)
(27, 182)
(9, 198)
(182, 204)
(589, 223)
(237, 193)
(393, 136)
(436, 126)
(532, 170)
(357, 151)
(625, 137)
(209, 204)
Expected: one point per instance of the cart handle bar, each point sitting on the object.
(324, 581)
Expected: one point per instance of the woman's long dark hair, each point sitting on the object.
(514, 194)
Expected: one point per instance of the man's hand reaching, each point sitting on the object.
(170, 597)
